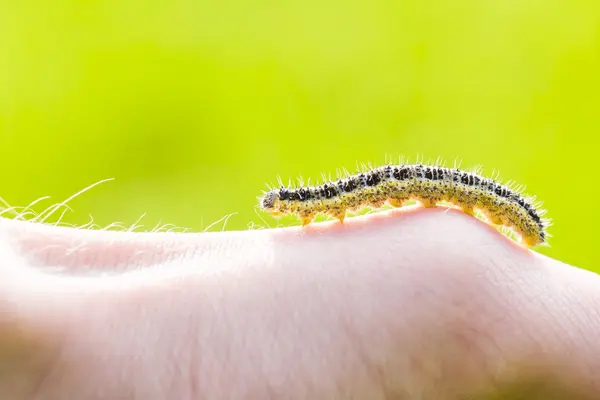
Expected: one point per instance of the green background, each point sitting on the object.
(192, 106)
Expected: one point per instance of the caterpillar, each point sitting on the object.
(429, 185)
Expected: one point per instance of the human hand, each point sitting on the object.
(404, 304)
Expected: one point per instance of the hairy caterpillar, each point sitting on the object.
(429, 185)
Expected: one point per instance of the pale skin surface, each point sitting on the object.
(407, 304)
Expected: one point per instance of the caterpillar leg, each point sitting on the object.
(340, 216)
(495, 219)
(378, 203)
(338, 211)
(468, 210)
(395, 202)
(529, 241)
(306, 218)
(427, 203)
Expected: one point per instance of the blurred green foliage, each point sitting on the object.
(194, 105)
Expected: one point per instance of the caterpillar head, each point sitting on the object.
(269, 201)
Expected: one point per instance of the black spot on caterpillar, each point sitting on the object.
(429, 185)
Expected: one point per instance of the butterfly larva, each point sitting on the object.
(396, 184)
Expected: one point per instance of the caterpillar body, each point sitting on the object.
(429, 185)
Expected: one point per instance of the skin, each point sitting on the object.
(404, 304)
